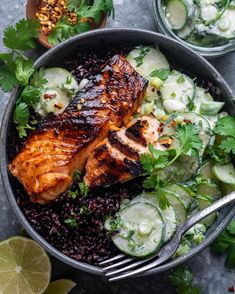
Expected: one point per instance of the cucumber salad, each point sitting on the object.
(204, 23)
(192, 168)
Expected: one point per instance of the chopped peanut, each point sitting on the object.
(50, 11)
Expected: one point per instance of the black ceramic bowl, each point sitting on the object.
(179, 55)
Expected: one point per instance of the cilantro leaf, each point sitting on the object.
(226, 126)
(22, 130)
(21, 114)
(160, 73)
(226, 243)
(230, 259)
(188, 135)
(38, 78)
(91, 11)
(73, 194)
(228, 145)
(30, 95)
(8, 78)
(23, 35)
(143, 51)
(24, 70)
(182, 279)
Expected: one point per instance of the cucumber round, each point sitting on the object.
(177, 205)
(178, 87)
(147, 59)
(177, 13)
(182, 192)
(169, 215)
(204, 202)
(60, 78)
(225, 25)
(181, 170)
(209, 189)
(225, 173)
(141, 230)
(205, 171)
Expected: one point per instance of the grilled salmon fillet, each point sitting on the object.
(116, 158)
(62, 143)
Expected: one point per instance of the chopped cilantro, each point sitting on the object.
(83, 189)
(160, 73)
(73, 194)
(71, 222)
(143, 51)
(182, 279)
(225, 243)
(181, 79)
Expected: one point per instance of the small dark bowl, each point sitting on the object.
(180, 56)
(32, 9)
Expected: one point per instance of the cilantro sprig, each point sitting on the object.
(226, 128)
(86, 11)
(16, 68)
(225, 243)
(189, 142)
(182, 279)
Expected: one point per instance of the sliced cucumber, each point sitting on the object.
(211, 107)
(226, 188)
(182, 192)
(178, 87)
(209, 189)
(204, 202)
(205, 171)
(209, 12)
(181, 170)
(169, 215)
(60, 78)
(225, 26)
(61, 86)
(141, 232)
(177, 204)
(225, 173)
(147, 59)
(177, 13)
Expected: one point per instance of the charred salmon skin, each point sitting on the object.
(46, 164)
(116, 158)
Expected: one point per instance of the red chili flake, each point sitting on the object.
(160, 130)
(187, 121)
(173, 123)
(49, 96)
(231, 289)
(161, 124)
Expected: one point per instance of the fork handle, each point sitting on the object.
(205, 212)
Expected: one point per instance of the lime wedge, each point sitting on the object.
(62, 286)
(25, 267)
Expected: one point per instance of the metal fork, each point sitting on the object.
(119, 270)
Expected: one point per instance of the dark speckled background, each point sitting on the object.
(210, 272)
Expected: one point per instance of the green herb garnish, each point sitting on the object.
(143, 51)
(181, 79)
(155, 160)
(71, 222)
(85, 10)
(182, 279)
(160, 73)
(225, 127)
(225, 243)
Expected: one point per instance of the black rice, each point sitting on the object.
(72, 223)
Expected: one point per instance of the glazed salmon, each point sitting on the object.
(46, 164)
(116, 158)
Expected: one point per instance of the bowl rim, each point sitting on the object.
(207, 52)
(3, 152)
